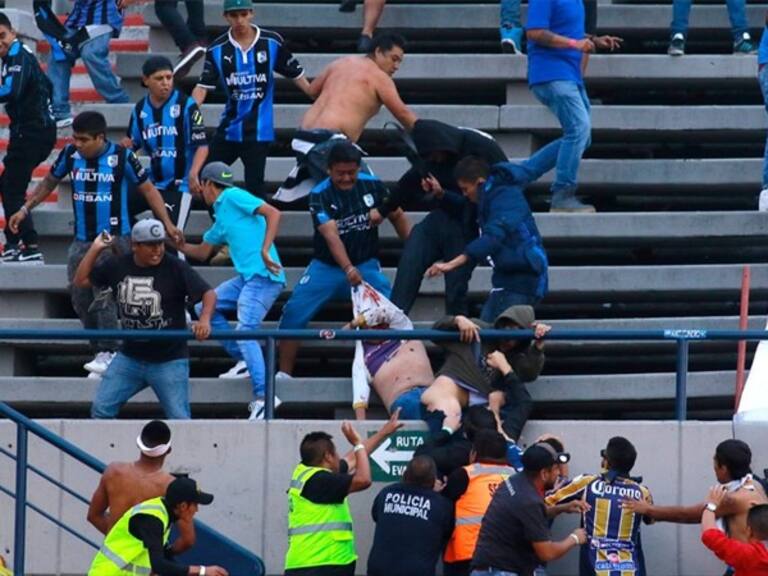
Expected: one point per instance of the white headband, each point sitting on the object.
(156, 452)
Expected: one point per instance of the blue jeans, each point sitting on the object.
(95, 55)
(569, 102)
(737, 12)
(410, 404)
(323, 283)
(510, 14)
(492, 572)
(127, 376)
(500, 299)
(762, 77)
(252, 299)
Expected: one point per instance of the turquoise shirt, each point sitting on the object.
(238, 225)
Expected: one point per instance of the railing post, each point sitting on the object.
(681, 394)
(269, 392)
(20, 531)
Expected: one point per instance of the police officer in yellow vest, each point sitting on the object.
(472, 488)
(136, 543)
(321, 541)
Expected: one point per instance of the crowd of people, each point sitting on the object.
(125, 271)
(473, 513)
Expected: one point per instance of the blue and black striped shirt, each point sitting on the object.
(170, 135)
(351, 211)
(100, 188)
(248, 81)
(94, 12)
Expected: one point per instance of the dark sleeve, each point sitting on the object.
(102, 274)
(528, 365)
(194, 284)
(287, 65)
(134, 170)
(534, 520)
(445, 323)
(319, 208)
(196, 135)
(209, 79)
(450, 521)
(590, 17)
(457, 485)
(375, 507)
(327, 488)
(133, 131)
(387, 201)
(16, 76)
(149, 530)
(61, 165)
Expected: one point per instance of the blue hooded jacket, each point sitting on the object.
(510, 240)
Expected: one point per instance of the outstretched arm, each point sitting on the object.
(390, 97)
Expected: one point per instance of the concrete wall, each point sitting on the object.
(248, 465)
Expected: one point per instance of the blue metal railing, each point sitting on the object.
(682, 338)
(24, 426)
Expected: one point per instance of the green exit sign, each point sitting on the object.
(389, 460)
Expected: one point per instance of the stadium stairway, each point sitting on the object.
(674, 171)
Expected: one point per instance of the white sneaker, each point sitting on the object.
(238, 372)
(762, 203)
(94, 376)
(283, 376)
(100, 362)
(258, 408)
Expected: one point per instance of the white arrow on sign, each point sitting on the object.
(383, 456)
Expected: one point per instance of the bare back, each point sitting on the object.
(127, 485)
(408, 368)
(349, 96)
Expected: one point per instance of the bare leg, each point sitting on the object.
(288, 351)
(446, 396)
(371, 15)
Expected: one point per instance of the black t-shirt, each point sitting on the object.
(515, 518)
(327, 487)
(413, 524)
(449, 451)
(151, 298)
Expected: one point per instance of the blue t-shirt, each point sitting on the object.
(238, 225)
(762, 52)
(563, 17)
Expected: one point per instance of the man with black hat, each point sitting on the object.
(514, 535)
(169, 126)
(151, 289)
(248, 225)
(136, 543)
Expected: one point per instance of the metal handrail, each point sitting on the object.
(24, 426)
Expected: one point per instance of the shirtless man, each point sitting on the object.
(732, 462)
(398, 369)
(126, 484)
(348, 93)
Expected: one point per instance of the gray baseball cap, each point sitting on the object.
(148, 230)
(218, 172)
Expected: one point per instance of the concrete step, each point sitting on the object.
(207, 393)
(565, 281)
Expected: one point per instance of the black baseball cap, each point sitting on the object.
(542, 455)
(186, 490)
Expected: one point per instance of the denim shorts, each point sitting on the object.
(410, 404)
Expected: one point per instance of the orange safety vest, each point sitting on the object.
(471, 507)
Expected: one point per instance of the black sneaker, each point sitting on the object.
(676, 45)
(744, 45)
(9, 254)
(187, 60)
(364, 44)
(347, 5)
(31, 255)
